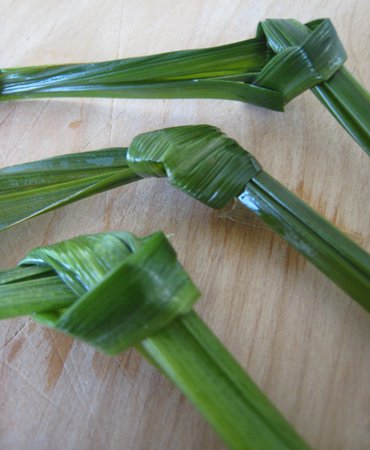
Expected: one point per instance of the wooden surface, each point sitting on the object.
(303, 341)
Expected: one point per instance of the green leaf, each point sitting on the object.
(32, 296)
(339, 258)
(304, 58)
(286, 58)
(214, 169)
(115, 266)
(349, 103)
(203, 162)
(245, 57)
(117, 290)
(22, 274)
(197, 362)
(217, 72)
(28, 190)
(311, 56)
(200, 160)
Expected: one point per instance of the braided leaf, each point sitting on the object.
(214, 169)
(200, 160)
(189, 155)
(304, 58)
(114, 266)
(311, 56)
(284, 59)
(114, 290)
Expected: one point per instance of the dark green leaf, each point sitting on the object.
(200, 160)
(318, 240)
(306, 56)
(31, 189)
(317, 46)
(117, 290)
(213, 168)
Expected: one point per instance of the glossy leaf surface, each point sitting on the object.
(114, 290)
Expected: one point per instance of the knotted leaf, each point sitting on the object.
(142, 284)
(286, 58)
(114, 290)
(200, 160)
(214, 169)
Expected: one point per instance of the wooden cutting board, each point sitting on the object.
(303, 341)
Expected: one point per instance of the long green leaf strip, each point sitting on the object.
(113, 291)
(217, 72)
(312, 56)
(285, 59)
(213, 168)
(28, 190)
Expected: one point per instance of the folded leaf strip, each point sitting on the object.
(329, 250)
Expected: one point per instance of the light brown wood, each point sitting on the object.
(302, 340)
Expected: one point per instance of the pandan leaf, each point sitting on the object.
(28, 190)
(113, 291)
(213, 168)
(204, 73)
(338, 257)
(199, 160)
(343, 261)
(303, 58)
(316, 46)
(286, 58)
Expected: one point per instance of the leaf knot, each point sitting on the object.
(198, 159)
(127, 288)
(306, 55)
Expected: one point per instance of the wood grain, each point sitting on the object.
(302, 340)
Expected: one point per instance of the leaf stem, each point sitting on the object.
(345, 263)
(191, 356)
(349, 103)
(185, 350)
